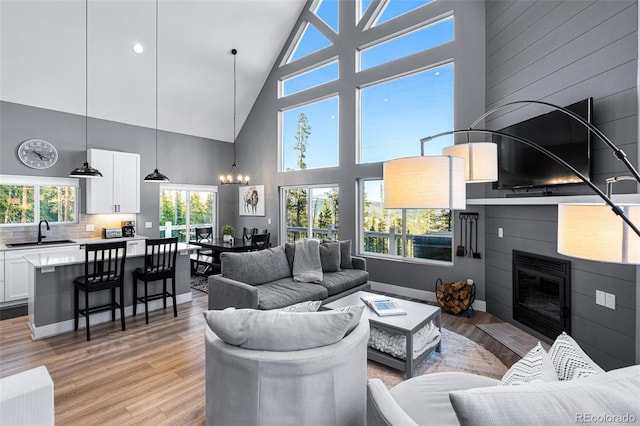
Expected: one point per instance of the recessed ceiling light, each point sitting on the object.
(138, 48)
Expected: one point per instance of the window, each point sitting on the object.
(396, 114)
(407, 44)
(26, 200)
(310, 41)
(395, 8)
(403, 233)
(310, 135)
(183, 208)
(310, 212)
(314, 77)
(327, 10)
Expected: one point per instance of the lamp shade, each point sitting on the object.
(481, 160)
(431, 182)
(594, 232)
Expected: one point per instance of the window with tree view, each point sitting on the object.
(404, 233)
(25, 204)
(311, 212)
(183, 209)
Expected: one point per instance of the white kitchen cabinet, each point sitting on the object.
(16, 271)
(118, 191)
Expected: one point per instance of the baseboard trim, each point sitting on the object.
(61, 327)
(427, 296)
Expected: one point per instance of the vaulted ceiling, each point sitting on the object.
(42, 62)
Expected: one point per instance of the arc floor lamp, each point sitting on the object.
(585, 230)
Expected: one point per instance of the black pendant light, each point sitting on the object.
(234, 176)
(86, 171)
(156, 176)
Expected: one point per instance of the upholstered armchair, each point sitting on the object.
(324, 385)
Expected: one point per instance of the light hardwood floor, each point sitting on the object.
(149, 374)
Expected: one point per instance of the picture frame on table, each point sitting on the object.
(251, 200)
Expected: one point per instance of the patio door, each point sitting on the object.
(183, 208)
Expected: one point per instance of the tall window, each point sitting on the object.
(403, 233)
(310, 212)
(26, 200)
(183, 208)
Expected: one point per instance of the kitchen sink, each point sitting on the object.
(40, 244)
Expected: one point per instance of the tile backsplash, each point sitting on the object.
(19, 234)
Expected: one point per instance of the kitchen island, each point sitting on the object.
(50, 302)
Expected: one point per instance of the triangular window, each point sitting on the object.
(311, 40)
(364, 5)
(327, 10)
(395, 8)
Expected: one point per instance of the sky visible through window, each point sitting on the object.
(395, 114)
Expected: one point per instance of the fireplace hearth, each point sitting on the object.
(542, 293)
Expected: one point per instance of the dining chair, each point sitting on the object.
(247, 233)
(159, 264)
(260, 241)
(203, 257)
(103, 270)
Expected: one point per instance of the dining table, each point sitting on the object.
(218, 245)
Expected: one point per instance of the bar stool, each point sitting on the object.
(159, 264)
(103, 270)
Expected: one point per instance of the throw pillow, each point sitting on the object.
(357, 311)
(613, 394)
(310, 306)
(277, 330)
(345, 253)
(570, 361)
(330, 256)
(535, 366)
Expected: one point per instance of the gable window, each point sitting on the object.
(389, 112)
(308, 79)
(25, 200)
(310, 212)
(310, 41)
(394, 8)
(416, 234)
(183, 208)
(310, 135)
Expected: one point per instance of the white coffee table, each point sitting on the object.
(418, 315)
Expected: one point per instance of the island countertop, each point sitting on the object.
(77, 256)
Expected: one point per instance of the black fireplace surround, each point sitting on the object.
(542, 293)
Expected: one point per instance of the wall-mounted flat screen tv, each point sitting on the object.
(520, 166)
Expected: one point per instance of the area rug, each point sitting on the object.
(458, 354)
(200, 283)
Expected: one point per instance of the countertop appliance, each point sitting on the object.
(111, 233)
(128, 228)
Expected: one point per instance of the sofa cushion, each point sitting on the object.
(256, 267)
(345, 252)
(613, 394)
(357, 311)
(277, 330)
(330, 256)
(286, 291)
(337, 282)
(426, 398)
(535, 366)
(570, 360)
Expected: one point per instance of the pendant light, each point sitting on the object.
(234, 176)
(86, 171)
(156, 176)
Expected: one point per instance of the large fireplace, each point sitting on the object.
(542, 293)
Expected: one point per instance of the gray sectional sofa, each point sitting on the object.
(263, 279)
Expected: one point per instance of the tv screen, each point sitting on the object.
(520, 166)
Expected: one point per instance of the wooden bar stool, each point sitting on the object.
(159, 264)
(103, 270)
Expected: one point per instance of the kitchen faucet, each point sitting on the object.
(40, 236)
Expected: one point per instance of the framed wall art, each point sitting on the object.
(251, 200)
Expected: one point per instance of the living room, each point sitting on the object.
(560, 52)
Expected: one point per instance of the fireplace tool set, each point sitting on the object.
(470, 248)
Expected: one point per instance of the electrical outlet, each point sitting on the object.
(600, 298)
(89, 227)
(148, 225)
(500, 233)
(610, 301)
(269, 221)
(469, 281)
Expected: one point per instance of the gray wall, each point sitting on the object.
(185, 159)
(561, 52)
(258, 146)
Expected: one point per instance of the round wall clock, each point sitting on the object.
(37, 153)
